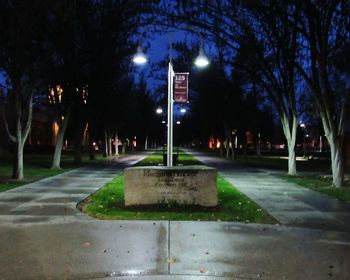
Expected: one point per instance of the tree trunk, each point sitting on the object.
(110, 152)
(228, 138)
(336, 144)
(116, 144)
(17, 172)
(227, 147)
(123, 148)
(91, 143)
(290, 134)
(105, 153)
(234, 148)
(292, 167)
(233, 152)
(56, 161)
(146, 140)
(21, 136)
(337, 163)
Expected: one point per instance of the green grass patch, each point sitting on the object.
(36, 167)
(322, 184)
(5, 186)
(108, 203)
(157, 159)
(276, 162)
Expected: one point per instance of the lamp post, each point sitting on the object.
(201, 61)
(303, 126)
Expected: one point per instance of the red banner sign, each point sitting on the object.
(181, 87)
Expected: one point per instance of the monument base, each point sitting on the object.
(184, 185)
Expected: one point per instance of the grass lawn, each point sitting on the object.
(157, 159)
(323, 185)
(108, 203)
(276, 162)
(36, 167)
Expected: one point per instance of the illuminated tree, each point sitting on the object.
(324, 34)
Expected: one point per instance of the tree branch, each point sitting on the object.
(29, 117)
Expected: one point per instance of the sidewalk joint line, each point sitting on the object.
(169, 263)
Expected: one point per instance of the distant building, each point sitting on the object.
(44, 129)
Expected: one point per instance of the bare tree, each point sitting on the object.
(20, 60)
(325, 35)
(261, 27)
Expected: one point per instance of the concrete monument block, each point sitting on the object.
(185, 185)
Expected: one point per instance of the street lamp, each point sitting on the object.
(201, 61)
(139, 58)
(159, 111)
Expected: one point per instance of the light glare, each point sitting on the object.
(201, 61)
(139, 59)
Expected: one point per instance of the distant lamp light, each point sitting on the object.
(178, 122)
(302, 125)
(163, 121)
(139, 57)
(183, 110)
(159, 110)
(202, 60)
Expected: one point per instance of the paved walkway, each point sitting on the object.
(44, 236)
(289, 203)
(55, 199)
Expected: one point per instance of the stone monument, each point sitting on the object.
(185, 185)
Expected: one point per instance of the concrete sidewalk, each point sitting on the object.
(289, 203)
(56, 198)
(44, 236)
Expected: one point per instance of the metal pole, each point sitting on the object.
(170, 116)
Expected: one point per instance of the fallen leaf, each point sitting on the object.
(171, 261)
(202, 270)
(87, 244)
